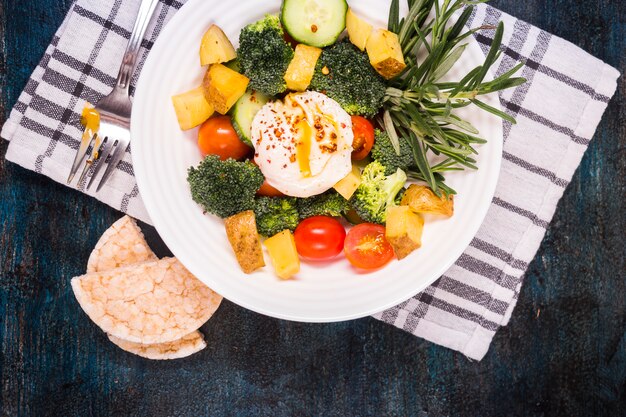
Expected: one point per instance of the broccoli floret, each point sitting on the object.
(275, 214)
(330, 203)
(264, 55)
(376, 192)
(226, 187)
(350, 80)
(384, 152)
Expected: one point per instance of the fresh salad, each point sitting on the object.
(319, 131)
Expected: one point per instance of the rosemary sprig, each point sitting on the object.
(421, 108)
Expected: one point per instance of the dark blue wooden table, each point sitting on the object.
(564, 352)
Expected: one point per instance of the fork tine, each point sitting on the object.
(92, 159)
(80, 154)
(105, 150)
(116, 157)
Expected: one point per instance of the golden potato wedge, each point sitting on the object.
(385, 53)
(421, 199)
(358, 30)
(348, 184)
(302, 66)
(245, 240)
(223, 87)
(282, 250)
(403, 230)
(191, 108)
(215, 47)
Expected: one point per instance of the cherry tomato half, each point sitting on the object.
(366, 247)
(319, 238)
(363, 137)
(217, 136)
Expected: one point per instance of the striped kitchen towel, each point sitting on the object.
(557, 112)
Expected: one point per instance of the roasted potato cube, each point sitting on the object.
(283, 253)
(191, 108)
(302, 66)
(385, 53)
(223, 87)
(358, 30)
(403, 230)
(421, 199)
(245, 240)
(348, 184)
(215, 47)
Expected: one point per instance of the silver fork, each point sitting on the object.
(115, 109)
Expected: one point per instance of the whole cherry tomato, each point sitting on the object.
(363, 137)
(319, 238)
(269, 191)
(266, 189)
(217, 136)
(366, 247)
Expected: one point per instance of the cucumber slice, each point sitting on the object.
(244, 111)
(314, 22)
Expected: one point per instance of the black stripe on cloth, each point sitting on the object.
(83, 67)
(542, 120)
(20, 107)
(492, 17)
(134, 193)
(126, 167)
(486, 270)
(535, 169)
(108, 24)
(53, 110)
(71, 86)
(519, 94)
(521, 30)
(499, 253)
(45, 131)
(473, 294)
(411, 325)
(470, 21)
(522, 212)
(175, 4)
(485, 40)
(423, 300)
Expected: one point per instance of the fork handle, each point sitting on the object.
(146, 9)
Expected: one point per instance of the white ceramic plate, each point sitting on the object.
(162, 153)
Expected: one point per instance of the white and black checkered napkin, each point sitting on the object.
(557, 113)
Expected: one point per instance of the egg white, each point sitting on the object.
(276, 137)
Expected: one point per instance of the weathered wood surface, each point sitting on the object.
(564, 352)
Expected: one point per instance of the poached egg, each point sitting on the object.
(303, 144)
